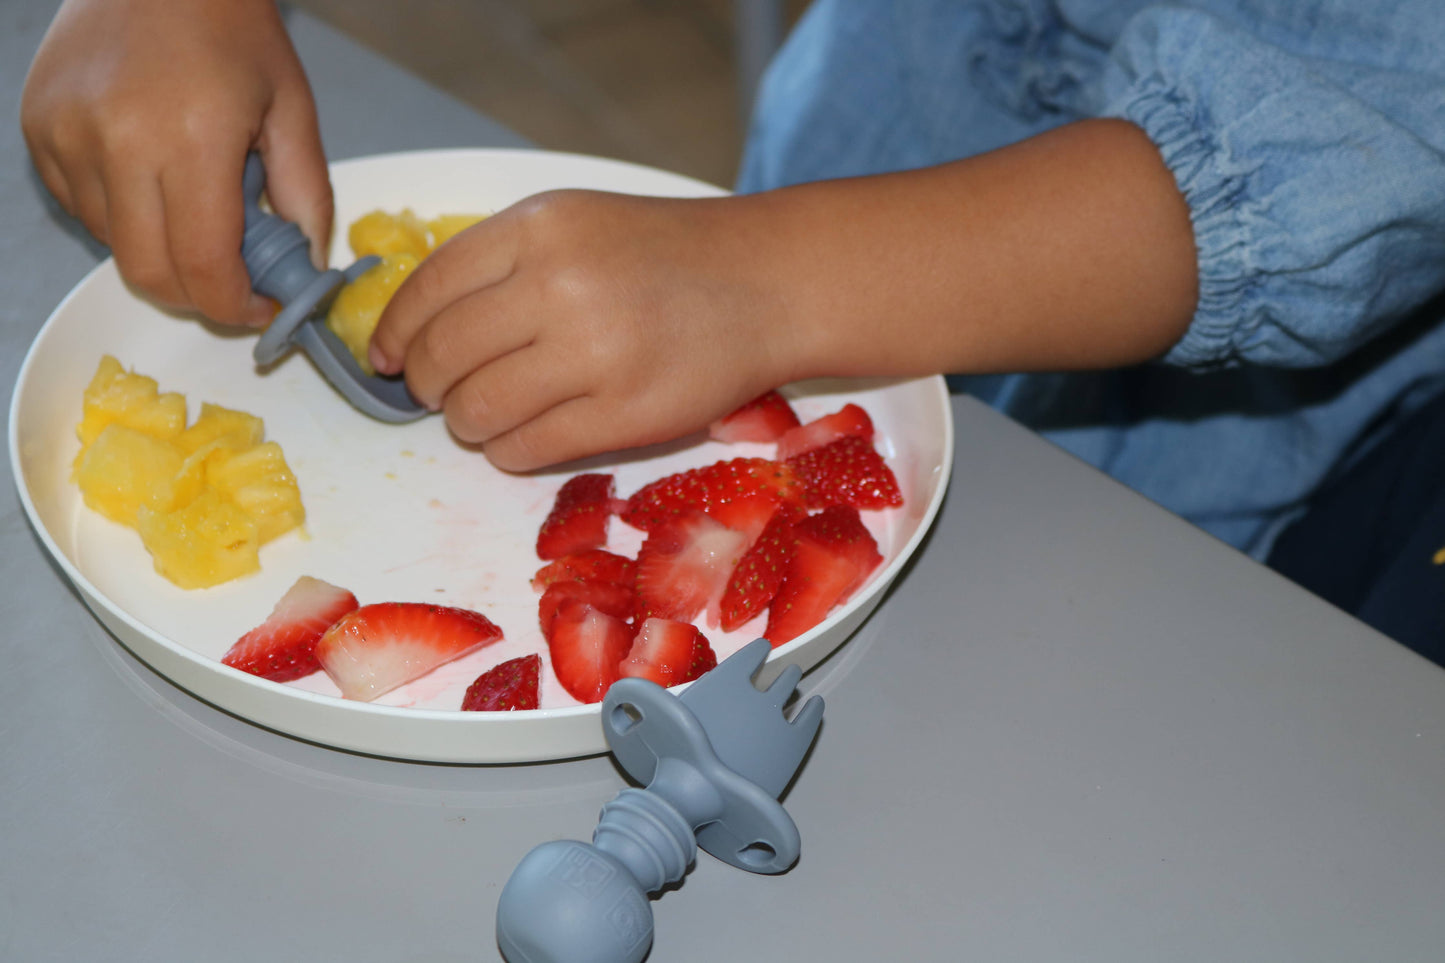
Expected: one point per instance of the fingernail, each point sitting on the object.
(260, 312)
(379, 360)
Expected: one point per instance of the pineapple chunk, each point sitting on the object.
(444, 227)
(260, 483)
(207, 542)
(357, 308)
(125, 469)
(233, 429)
(115, 395)
(386, 234)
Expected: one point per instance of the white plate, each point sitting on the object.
(395, 513)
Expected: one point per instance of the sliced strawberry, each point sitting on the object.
(847, 472)
(755, 579)
(586, 645)
(668, 653)
(283, 647)
(849, 420)
(683, 567)
(832, 555)
(593, 565)
(379, 647)
(510, 685)
(736, 492)
(578, 520)
(616, 600)
(764, 419)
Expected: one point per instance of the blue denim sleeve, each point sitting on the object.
(1314, 170)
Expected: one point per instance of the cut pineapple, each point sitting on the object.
(124, 469)
(447, 226)
(357, 309)
(207, 542)
(204, 498)
(115, 395)
(386, 234)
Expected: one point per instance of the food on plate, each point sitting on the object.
(587, 646)
(402, 241)
(833, 553)
(764, 419)
(578, 519)
(668, 653)
(684, 565)
(378, 647)
(508, 686)
(851, 419)
(740, 493)
(204, 498)
(283, 647)
(592, 565)
(848, 471)
(755, 579)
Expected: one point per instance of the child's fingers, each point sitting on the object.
(466, 335)
(573, 429)
(204, 223)
(297, 180)
(138, 237)
(474, 260)
(509, 392)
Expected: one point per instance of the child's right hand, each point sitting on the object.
(139, 115)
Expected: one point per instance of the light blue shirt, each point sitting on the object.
(1308, 137)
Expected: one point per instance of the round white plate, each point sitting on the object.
(395, 513)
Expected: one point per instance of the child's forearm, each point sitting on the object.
(1070, 250)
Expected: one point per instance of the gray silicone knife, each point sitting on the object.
(277, 255)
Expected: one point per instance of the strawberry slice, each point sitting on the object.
(847, 472)
(739, 493)
(849, 420)
(668, 653)
(586, 645)
(593, 565)
(616, 600)
(379, 647)
(755, 579)
(578, 519)
(683, 567)
(764, 419)
(832, 555)
(508, 686)
(283, 647)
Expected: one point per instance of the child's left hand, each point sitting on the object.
(578, 322)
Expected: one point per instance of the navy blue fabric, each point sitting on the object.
(1373, 541)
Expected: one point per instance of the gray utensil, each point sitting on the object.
(277, 255)
(714, 761)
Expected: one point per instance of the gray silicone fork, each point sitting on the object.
(277, 255)
(714, 761)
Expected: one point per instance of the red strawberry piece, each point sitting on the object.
(507, 686)
(847, 472)
(755, 579)
(849, 420)
(668, 653)
(379, 647)
(586, 645)
(283, 647)
(578, 520)
(764, 419)
(616, 600)
(735, 492)
(833, 553)
(683, 567)
(593, 565)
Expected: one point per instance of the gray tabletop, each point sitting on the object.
(1076, 730)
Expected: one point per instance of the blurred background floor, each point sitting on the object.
(658, 82)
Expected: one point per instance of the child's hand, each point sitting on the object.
(578, 322)
(139, 115)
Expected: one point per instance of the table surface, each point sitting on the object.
(1078, 729)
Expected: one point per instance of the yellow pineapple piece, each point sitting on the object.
(233, 429)
(357, 308)
(205, 543)
(386, 234)
(124, 469)
(115, 395)
(445, 226)
(260, 483)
